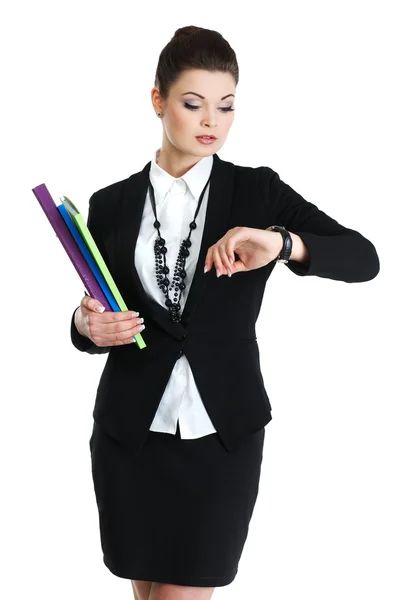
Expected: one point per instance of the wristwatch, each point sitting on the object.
(287, 243)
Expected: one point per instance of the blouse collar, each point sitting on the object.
(195, 178)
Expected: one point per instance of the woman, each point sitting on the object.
(191, 240)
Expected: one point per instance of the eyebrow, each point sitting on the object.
(203, 98)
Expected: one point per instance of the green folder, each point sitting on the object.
(91, 244)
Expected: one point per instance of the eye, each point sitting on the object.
(223, 109)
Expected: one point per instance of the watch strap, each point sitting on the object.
(287, 243)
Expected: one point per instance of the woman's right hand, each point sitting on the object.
(106, 328)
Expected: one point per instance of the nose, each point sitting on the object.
(209, 120)
(209, 125)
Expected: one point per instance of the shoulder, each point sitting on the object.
(109, 195)
(111, 198)
(261, 176)
(261, 171)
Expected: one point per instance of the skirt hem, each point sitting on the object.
(195, 581)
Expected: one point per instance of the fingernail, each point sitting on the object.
(218, 272)
(229, 274)
(231, 260)
(100, 308)
(205, 269)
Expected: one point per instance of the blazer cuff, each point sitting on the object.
(348, 257)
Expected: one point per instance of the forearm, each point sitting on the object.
(336, 252)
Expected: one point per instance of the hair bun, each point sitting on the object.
(189, 29)
(194, 47)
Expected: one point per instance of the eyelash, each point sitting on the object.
(224, 109)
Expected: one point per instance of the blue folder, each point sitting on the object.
(88, 257)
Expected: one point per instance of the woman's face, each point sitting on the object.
(199, 103)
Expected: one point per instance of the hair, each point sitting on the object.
(194, 47)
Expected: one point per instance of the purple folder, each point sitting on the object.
(71, 247)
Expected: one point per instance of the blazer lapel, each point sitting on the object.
(218, 211)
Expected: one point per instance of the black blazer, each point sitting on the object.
(217, 331)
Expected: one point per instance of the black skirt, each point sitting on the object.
(179, 512)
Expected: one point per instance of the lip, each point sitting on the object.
(209, 136)
(206, 141)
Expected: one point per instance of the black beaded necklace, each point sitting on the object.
(160, 250)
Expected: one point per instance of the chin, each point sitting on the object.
(201, 152)
(206, 150)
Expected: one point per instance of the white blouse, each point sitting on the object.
(176, 203)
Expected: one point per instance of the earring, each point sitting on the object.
(159, 114)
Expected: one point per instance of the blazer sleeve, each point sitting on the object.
(336, 252)
(81, 342)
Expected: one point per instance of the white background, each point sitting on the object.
(318, 102)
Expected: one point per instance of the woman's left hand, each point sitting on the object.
(255, 248)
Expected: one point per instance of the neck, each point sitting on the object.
(173, 161)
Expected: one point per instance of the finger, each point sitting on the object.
(230, 245)
(239, 266)
(208, 261)
(109, 328)
(128, 340)
(225, 259)
(91, 304)
(125, 336)
(117, 316)
(219, 267)
(117, 337)
(230, 255)
(110, 316)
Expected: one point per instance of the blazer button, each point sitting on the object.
(180, 353)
